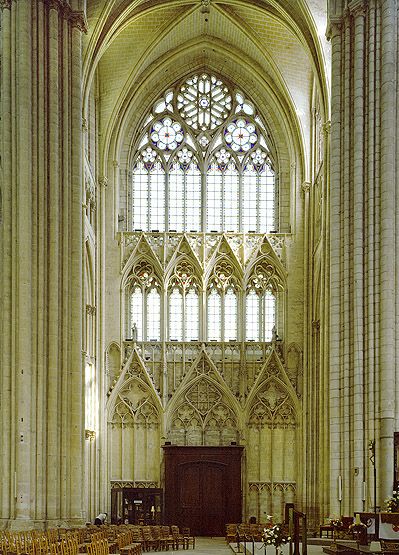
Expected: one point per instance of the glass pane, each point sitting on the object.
(153, 315)
(193, 198)
(269, 314)
(252, 316)
(214, 316)
(214, 198)
(266, 200)
(157, 198)
(230, 315)
(136, 313)
(176, 197)
(231, 198)
(140, 197)
(191, 331)
(176, 315)
(249, 207)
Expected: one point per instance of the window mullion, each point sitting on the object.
(240, 199)
(185, 223)
(222, 315)
(183, 317)
(204, 194)
(257, 201)
(222, 198)
(166, 193)
(149, 182)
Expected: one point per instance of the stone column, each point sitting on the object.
(335, 269)
(388, 283)
(364, 389)
(40, 341)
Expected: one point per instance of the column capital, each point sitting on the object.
(5, 4)
(357, 7)
(76, 19)
(305, 187)
(334, 27)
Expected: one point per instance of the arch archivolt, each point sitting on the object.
(122, 132)
(203, 413)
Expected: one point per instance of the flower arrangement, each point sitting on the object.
(392, 503)
(275, 536)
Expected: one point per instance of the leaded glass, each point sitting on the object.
(203, 162)
(136, 313)
(204, 102)
(240, 134)
(214, 316)
(269, 315)
(166, 134)
(191, 320)
(184, 193)
(176, 315)
(252, 316)
(153, 315)
(230, 315)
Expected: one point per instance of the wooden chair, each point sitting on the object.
(167, 539)
(231, 531)
(177, 537)
(149, 541)
(187, 538)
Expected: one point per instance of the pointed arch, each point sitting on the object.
(202, 415)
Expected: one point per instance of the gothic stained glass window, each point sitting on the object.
(203, 163)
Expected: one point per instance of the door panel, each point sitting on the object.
(203, 488)
(213, 500)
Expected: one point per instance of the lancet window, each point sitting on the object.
(145, 303)
(183, 307)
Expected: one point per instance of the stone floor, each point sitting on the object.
(218, 546)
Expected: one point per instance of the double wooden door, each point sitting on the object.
(203, 488)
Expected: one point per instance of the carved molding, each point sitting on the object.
(5, 4)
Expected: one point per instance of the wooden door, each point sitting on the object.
(202, 497)
(203, 488)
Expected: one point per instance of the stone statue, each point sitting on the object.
(134, 332)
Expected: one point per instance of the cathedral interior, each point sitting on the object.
(198, 257)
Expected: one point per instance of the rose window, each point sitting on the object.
(204, 101)
(166, 134)
(241, 135)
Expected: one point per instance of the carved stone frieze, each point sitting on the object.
(120, 484)
(272, 486)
